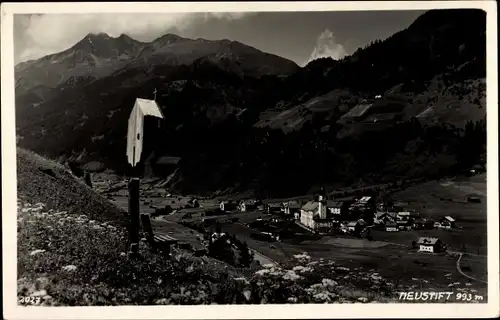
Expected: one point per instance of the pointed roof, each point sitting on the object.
(310, 206)
(427, 241)
(149, 107)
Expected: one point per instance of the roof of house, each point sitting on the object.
(379, 215)
(310, 206)
(364, 199)
(427, 240)
(357, 111)
(294, 205)
(333, 203)
(248, 202)
(241, 112)
(274, 205)
(450, 219)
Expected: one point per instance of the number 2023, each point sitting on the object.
(29, 300)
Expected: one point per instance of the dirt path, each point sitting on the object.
(462, 273)
(263, 259)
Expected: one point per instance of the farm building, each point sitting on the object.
(322, 225)
(383, 217)
(391, 227)
(386, 106)
(404, 215)
(355, 114)
(419, 224)
(273, 208)
(356, 226)
(426, 244)
(404, 225)
(334, 207)
(193, 203)
(227, 206)
(379, 217)
(291, 207)
(351, 226)
(246, 205)
(364, 204)
(447, 222)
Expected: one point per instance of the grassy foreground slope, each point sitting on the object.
(72, 251)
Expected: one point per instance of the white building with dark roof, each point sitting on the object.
(427, 244)
(447, 222)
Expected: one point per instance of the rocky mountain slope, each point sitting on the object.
(238, 124)
(99, 55)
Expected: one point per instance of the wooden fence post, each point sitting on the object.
(133, 210)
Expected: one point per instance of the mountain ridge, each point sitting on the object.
(99, 55)
(287, 124)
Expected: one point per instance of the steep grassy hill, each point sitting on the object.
(72, 251)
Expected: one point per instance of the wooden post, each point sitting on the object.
(133, 210)
(148, 230)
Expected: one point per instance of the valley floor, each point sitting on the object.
(390, 255)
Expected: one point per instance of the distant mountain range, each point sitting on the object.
(241, 119)
(99, 55)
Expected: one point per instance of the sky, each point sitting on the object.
(298, 36)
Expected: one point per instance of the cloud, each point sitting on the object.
(327, 46)
(43, 34)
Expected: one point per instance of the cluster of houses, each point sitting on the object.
(241, 206)
(354, 215)
(348, 215)
(323, 215)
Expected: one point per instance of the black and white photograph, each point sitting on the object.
(200, 157)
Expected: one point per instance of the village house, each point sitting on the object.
(246, 205)
(227, 206)
(426, 244)
(296, 215)
(323, 225)
(364, 204)
(356, 226)
(419, 224)
(379, 217)
(404, 215)
(383, 217)
(447, 222)
(291, 207)
(273, 208)
(391, 227)
(351, 226)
